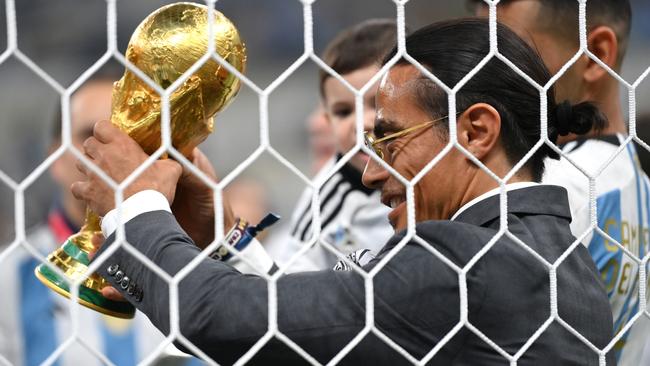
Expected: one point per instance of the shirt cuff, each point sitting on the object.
(258, 260)
(139, 203)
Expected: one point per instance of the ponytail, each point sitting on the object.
(578, 119)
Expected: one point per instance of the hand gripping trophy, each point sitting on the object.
(164, 46)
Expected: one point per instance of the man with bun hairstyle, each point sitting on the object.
(416, 299)
(622, 189)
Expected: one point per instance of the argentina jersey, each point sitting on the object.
(36, 324)
(622, 197)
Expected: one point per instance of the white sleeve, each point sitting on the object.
(257, 260)
(139, 203)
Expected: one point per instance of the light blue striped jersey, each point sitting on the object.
(623, 206)
(35, 321)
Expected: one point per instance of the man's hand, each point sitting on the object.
(193, 206)
(118, 156)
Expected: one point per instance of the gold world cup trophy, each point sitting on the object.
(164, 46)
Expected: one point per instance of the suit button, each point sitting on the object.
(112, 269)
(125, 283)
(118, 276)
(131, 289)
(137, 295)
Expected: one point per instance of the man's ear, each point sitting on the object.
(478, 129)
(602, 42)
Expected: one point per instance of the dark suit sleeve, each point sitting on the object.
(220, 309)
(224, 312)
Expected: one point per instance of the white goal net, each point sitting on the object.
(266, 147)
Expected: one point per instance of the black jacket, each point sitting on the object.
(417, 303)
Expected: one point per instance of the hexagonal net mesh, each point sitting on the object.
(594, 228)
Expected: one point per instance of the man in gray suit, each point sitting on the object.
(497, 290)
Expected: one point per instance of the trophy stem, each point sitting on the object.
(83, 239)
(72, 259)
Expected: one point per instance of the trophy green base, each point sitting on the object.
(72, 259)
(88, 297)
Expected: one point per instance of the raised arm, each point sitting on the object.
(223, 311)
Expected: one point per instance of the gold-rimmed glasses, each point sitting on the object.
(373, 143)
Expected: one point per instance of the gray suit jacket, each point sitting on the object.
(416, 295)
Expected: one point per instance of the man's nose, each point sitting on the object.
(369, 119)
(374, 175)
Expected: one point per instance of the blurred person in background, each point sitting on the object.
(249, 199)
(35, 320)
(352, 216)
(622, 189)
(322, 146)
(321, 138)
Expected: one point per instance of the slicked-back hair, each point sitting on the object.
(358, 47)
(560, 17)
(452, 49)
